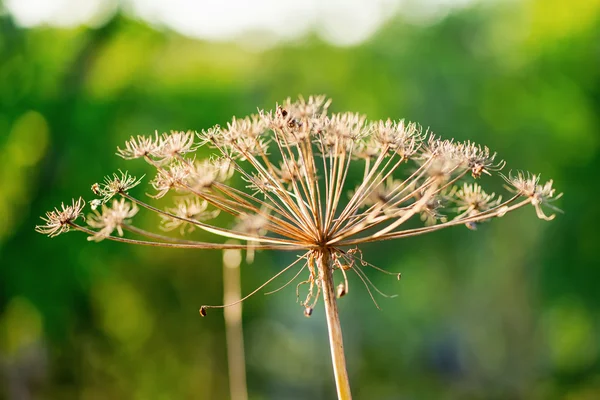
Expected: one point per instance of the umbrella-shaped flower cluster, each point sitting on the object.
(301, 179)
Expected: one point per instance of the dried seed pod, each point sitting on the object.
(471, 225)
(399, 276)
(341, 290)
(308, 311)
(202, 311)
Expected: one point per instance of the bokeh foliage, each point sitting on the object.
(511, 311)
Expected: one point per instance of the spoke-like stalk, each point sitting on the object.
(495, 212)
(336, 342)
(184, 245)
(209, 228)
(359, 193)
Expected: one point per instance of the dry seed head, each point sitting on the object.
(212, 136)
(338, 133)
(111, 218)
(471, 198)
(251, 127)
(204, 174)
(440, 148)
(525, 183)
(174, 177)
(314, 107)
(175, 144)
(397, 137)
(189, 208)
(292, 130)
(139, 146)
(114, 185)
(243, 137)
(59, 221)
(479, 159)
(397, 173)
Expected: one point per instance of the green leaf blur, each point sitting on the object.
(509, 311)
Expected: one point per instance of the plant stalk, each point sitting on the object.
(333, 325)
(233, 325)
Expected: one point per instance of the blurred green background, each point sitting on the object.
(511, 311)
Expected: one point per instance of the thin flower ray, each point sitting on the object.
(186, 244)
(209, 228)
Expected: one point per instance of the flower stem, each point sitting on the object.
(333, 324)
(233, 325)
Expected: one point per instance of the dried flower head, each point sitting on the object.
(479, 160)
(526, 184)
(186, 209)
(115, 184)
(295, 197)
(339, 133)
(399, 137)
(139, 146)
(174, 145)
(241, 137)
(173, 177)
(302, 196)
(111, 218)
(303, 110)
(59, 221)
(204, 174)
(471, 200)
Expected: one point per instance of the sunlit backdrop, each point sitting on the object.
(509, 311)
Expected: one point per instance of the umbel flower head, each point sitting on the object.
(317, 183)
(60, 221)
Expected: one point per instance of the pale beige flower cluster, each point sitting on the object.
(304, 180)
